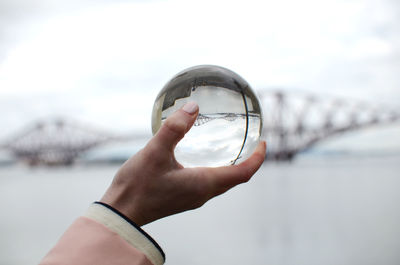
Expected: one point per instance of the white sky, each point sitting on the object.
(103, 62)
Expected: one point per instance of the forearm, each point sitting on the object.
(104, 236)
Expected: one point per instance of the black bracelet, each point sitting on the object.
(134, 225)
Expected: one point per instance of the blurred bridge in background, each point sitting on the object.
(293, 123)
(59, 141)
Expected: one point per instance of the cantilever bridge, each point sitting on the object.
(292, 124)
(58, 141)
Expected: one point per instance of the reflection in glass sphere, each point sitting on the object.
(229, 124)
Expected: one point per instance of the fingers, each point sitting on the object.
(224, 178)
(176, 126)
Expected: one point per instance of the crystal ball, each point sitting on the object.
(229, 124)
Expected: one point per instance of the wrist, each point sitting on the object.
(127, 229)
(126, 206)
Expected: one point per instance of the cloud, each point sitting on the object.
(106, 62)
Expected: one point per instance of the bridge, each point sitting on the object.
(293, 123)
(58, 141)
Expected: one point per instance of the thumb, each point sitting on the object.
(176, 126)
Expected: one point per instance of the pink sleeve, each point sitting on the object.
(90, 241)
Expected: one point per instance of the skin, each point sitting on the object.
(152, 184)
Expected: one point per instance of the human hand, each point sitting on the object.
(152, 184)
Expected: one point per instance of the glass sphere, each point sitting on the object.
(229, 124)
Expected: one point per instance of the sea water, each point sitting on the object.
(316, 210)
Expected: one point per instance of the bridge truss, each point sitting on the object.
(293, 123)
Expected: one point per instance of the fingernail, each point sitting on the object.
(190, 107)
(265, 144)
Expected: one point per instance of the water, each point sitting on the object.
(335, 210)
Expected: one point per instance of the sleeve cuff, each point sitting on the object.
(128, 230)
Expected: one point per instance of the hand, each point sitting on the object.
(152, 184)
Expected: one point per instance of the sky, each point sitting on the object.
(104, 62)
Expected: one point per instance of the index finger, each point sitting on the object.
(224, 178)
